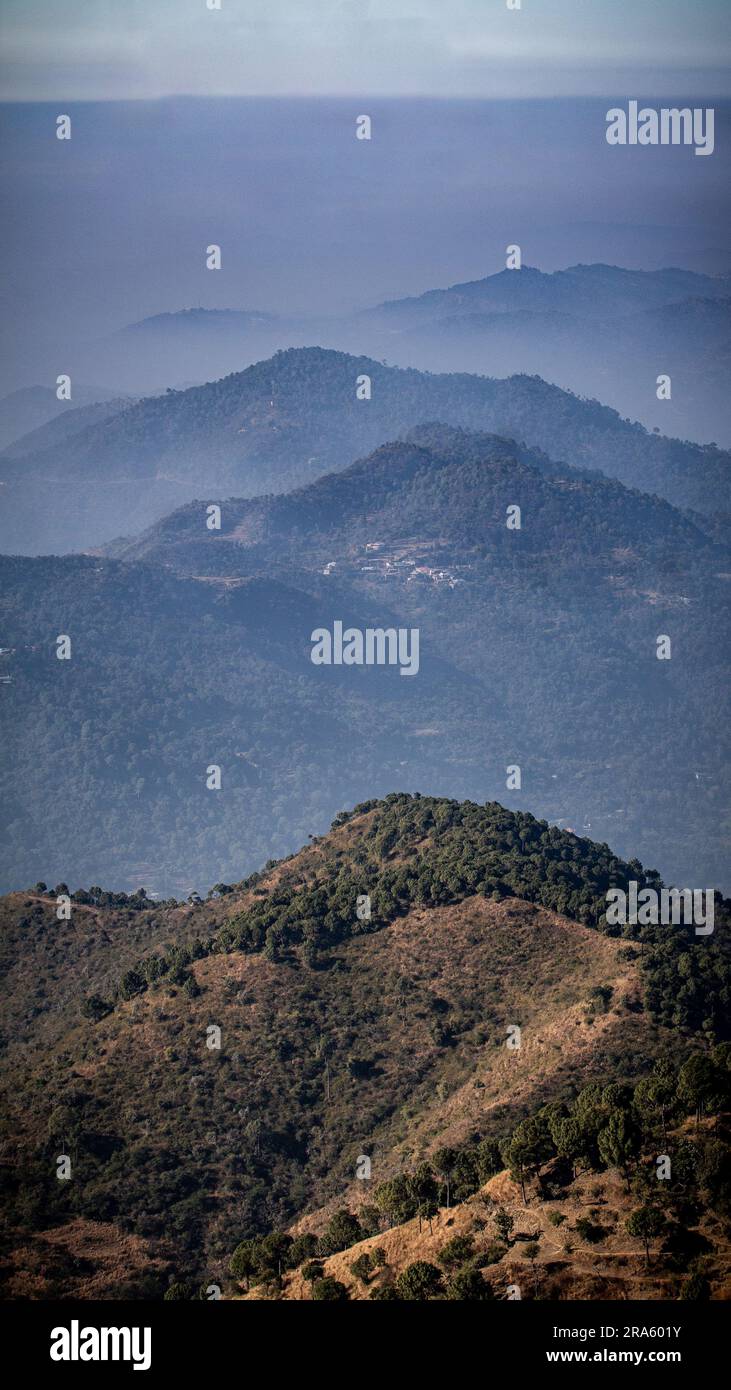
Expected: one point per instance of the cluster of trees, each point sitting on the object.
(266, 1259)
(611, 1126)
(631, 1129)
(103, 897)
(451, 1176)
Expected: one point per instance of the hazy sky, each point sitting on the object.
(102, 49)
(183, 137)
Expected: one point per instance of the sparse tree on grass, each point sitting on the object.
(456, 1252)
(444, 1161)
(531, 1253)
(312, 1270)
(504, 1224)
(362, 1269)
(244, 1263)
(468, 1286)
(419, 1281)
(618, 1143)
(647, 1223)
(329, 1290)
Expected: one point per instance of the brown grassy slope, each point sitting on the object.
(487, 965)
(50, 966)
(567, 1266)
(252, 1127)
(536, 970)
(148, 1082)
(83, 1259)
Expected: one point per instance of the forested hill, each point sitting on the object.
(439, 483)
(363, 989)
(538, 647)
(295, 417)
(411, 850)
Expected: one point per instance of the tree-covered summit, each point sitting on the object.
(411, 851)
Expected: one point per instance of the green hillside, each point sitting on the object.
(294, 417)
(537, 650)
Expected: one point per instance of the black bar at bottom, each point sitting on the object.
(205, 1338)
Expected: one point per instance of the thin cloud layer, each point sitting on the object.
(155, 48)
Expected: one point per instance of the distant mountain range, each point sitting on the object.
(193, 648)
(600, 330)
(617, 360)
(295, 417)
(587, 291)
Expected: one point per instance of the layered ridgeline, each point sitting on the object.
(622, 362)
(58, 431)
(25, 413)
(355, 999)
(537, 652)
(296, 417)
(600, 330)
(438, 480)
